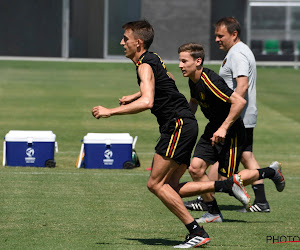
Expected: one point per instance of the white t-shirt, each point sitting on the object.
(240, 61)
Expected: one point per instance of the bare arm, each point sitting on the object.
(237, 105)
(144, 102)
(193, 105)
(242, 85)
(129, 98)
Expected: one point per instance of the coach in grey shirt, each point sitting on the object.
(239, 72)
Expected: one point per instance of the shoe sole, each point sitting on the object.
(200, 244)
(205, 241)
(244, 210)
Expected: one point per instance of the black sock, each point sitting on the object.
(213, 207)
(194, 228)
(224, 186)
(259, 191)
(266, 173)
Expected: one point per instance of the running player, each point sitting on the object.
(178, 128)
(238, 69)
(224, 137)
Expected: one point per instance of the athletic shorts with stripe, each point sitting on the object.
(177, 140)
(228, 154)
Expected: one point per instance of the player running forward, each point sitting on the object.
(238, 70)
(223, 140)
(178, 128)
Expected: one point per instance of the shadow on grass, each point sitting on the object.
(156, 242)
(230, 207)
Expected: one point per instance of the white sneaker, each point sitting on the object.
(240, 192)
(208, 217)
(193, 240)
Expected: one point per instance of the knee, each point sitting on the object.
(196, 171)
(152, 187)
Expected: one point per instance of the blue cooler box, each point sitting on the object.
(29, 148)
(104, 150)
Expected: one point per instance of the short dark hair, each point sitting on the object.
(143, 30)
(231, 23)
(196, 50)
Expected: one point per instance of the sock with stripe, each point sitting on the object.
(266, 173)
(194, 228)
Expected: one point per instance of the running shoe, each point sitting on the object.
(196, 205)
(278, 178)
(208, 217)
(194, 240)
(257, 207)
(239, 190)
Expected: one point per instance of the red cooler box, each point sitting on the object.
(29, 148)
(105, 150)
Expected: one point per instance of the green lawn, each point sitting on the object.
(70, 208)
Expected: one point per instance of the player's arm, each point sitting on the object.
(129, 98)
(193, 105)
(144, 102)
(237, 105)
(242, 85)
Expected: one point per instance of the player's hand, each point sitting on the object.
(218, 136)
(125, 100)
(100, 112)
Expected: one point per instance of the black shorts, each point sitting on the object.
(177, 140)
(249, 140)
(228, 153)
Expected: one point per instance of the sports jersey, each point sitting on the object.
(212, 94)
(240, 61)
(169, 103)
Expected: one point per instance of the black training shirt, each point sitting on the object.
(168, 101)
(212, 94)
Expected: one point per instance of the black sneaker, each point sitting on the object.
(196, 205)
(194, 240)
(257, 207)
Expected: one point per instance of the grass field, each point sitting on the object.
(70, 208)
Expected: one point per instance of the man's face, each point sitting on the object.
(130, 43)
(188, 64)
(224, 39)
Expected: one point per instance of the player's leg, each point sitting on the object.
(206, 200)
(272, 172)
(158, 183)
(197, 170)
(163, 169)
(173, 153)
(213, 173)
(248, 160)
(204, 155)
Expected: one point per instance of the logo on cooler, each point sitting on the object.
(108, 154)
(30, 154)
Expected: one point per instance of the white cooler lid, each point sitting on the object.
(107, 138)
(30, 135)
